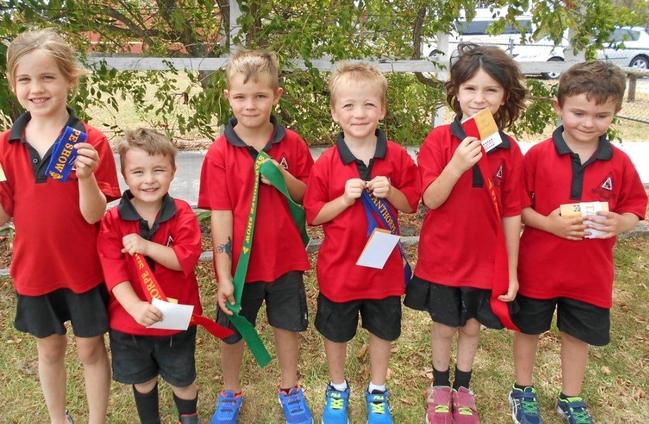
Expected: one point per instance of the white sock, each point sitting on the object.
(376, 387)
(341, 387)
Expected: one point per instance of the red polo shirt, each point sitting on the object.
(54, 246)
(550, 266)
(227, 181)
(175, 226)
(457, 241)
(345, 236)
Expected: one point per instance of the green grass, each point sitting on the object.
(616, 387)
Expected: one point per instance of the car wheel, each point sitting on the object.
(640, 62)
(553, 74)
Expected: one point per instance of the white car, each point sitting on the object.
(628, 46)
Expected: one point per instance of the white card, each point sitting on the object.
(174, 316)
(491, 141)
(2, 174)
(378, 249)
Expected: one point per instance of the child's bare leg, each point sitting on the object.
(336, 356)
(51, 371)
(525, 346)
(574, 357)
(379, 359)
(287, 345)
(442, 337)
(187, 392)
(467, 344)
(96, 372)
(231, 359)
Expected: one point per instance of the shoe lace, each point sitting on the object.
(336, 401)
(530, 405)
(582, 416)
(226, 403)
(465, 410)
(378, 405)
(294, 403)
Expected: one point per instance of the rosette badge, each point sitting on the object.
(64, 153)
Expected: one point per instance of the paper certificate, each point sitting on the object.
(585, 209)
(483, 126)
(174, 316)
(378, 249)
(3, 177)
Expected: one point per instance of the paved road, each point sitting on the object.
(186, 183)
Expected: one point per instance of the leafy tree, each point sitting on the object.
(305, 29)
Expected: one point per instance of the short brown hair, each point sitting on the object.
(252, 63)
(494, 61)
(599, 80)
(358, 72)
(50, 41)
(149, 140)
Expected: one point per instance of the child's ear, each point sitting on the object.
(333, 115)
(556, 105)
(279, 91)
(226, 93)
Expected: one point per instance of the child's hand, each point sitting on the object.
(264, 179)
(134, 243)
(467, 154)
(225, 293)
(353, 189)
(144, 313)
(379, 186)
(511, 291)
(608, 222)
(87, 160)
(571, 228)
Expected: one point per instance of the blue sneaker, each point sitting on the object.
(335, 409)
(378, 408)
(525, 406)
(227, 409)
(573, 410)
(296, 411)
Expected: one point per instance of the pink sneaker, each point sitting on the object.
(464, 410)
(439, 405)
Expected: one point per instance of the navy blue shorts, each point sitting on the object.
(45, 315)
(286, 306)
(138, 359)
(337, 321)
(588, 323)
(451, 306)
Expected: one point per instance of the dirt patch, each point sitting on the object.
(5, 250)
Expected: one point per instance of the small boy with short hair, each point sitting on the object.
(363, 163)
(166, 232)
(277, 257)
(566, 262)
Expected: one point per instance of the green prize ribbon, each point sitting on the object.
(263, 166)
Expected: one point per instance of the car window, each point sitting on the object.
(473, 27)
(620, 35)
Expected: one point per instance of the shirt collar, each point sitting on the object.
(279, 132)
(17, 132)
(127, 211)
(458, 132)
(604, 150)
(348, 157)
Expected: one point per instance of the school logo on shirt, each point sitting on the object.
(284, 162)
(604, 190)
(170, 241)
(498, 176)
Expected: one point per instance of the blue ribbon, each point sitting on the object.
(371, 208)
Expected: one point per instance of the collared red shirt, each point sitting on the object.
(227, 181)
(457, 241)
(345, 236)
(175, 226)
(550, 266)
(54, 246)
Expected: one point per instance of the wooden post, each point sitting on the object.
(631, 90)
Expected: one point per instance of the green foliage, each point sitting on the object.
(305, 29)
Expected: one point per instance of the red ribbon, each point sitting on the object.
(152, 290)
(500, 283)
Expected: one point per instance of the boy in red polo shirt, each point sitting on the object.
(362, 163)
(166, 232)
(566, 262)
(55, 269)
(277, 258)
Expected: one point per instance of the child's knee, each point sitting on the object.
(91, 350)
(186, 392)
(146, 387)
(471, 328)
(51, 349)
